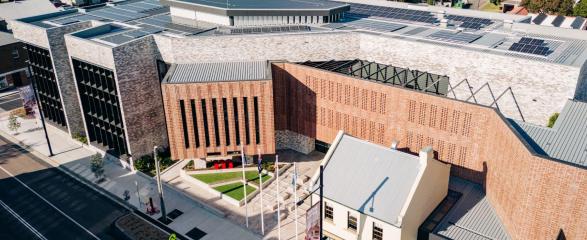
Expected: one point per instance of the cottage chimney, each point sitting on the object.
(426, 154)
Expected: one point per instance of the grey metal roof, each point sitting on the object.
(369, 178)
(264, 4)
(219, 71)
(566, 141)
(472, 217)
(261, 7)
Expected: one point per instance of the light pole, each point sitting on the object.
(159, 185)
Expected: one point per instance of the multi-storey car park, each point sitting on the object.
(205, 77)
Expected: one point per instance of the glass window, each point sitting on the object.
(352, 222)
(15, 54)
(328, 211)
(184, 124)
(377, 232)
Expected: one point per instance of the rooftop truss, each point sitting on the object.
(404, 77)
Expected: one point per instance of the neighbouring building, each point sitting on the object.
(134, 74)
(386, 195)
(13, 67)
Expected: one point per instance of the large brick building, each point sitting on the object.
(134, 74)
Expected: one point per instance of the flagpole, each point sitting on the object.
(277, 197)
(244, 185)
(261, 192)
(295, 182)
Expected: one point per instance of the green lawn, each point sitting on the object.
(234, 190)
(255, 180)
(210, 178)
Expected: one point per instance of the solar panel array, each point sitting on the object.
(75, 19)
(128, 12)
(531, 46)
(449, 36)
(375, 25)
(130, 35)
(558, 21)
(470, 22)
(401, 14)
(262, 30)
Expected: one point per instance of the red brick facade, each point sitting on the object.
(535, 197)
(220, 92)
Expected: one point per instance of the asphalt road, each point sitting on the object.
(10, 102)
(38, 201)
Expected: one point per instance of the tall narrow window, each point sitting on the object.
(205, 118)
(195, 120)
(328, 211)
(377, 232)
(184, 124)
(256, 109)
(236, 127)
(215, 119)
(351, 222)
(226, 127)
(246, 110)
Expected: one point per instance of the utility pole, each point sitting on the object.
(40, 112)
(321, 202)
(159, 186)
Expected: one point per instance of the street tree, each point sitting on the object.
(97, 166)
(13, 123)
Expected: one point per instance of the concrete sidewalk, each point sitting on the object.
(76, 157)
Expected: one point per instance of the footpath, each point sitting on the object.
(191, 216)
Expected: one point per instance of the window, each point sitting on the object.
(195, 120)
(236, 127)
(377, 232)
(15, 54)
(246, 110)
(226, 129)
(352, 222)
(184, 124)
(205, 118)
(215, 119)
(257, 132)
(328, 211)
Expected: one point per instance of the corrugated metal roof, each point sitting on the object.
(219, 71)
(567, 140)
(472, 217)
(369, 178)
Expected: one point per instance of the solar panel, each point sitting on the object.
(366, 11)
(470, 22)
(539, 19)
(531, 46)
(578, 22)
(449, 36)
(558, 20)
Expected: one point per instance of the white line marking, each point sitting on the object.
(38, 195)
(21, 220)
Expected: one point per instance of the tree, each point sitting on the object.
(581, 9)
(566, 7)
(97, 166)
(13, 123)
(431, 2)
(552, 120)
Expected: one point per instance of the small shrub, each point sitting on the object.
(13, 123)
(80, 138)
(97, 165)
(552, 120)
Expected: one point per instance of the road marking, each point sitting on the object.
(38, 195)
(21, 220)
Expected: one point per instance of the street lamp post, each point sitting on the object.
(159, 185)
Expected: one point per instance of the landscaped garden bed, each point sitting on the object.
(228, 182)
(131, 226)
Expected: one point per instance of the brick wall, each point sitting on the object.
(536, 197)
(173, 93)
